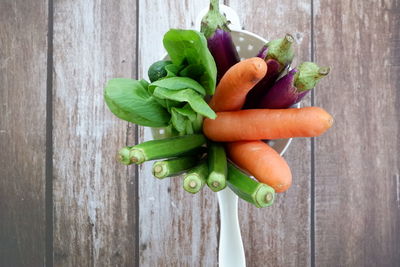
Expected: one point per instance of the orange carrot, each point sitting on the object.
(263, 162)
(231, 91)
(256, 124)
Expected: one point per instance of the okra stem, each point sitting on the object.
(163, 148)
(171, 167)
(195, 178)
(123, 155)
(259, 194)
(217, 164)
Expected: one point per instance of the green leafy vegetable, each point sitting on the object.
(195, 100)
(198, 123)
(172, 70)
(178, 121)
(129, 100)
(189, 127)
(187, 111)
(178, 83)
(192, 71)
(185, 120)
(189, 47)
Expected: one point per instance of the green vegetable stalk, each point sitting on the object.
(217, 163)
(195, 178)
(175, 166)
(163, 148)
(259, 194)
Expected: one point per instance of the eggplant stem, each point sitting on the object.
(324, 71)
(214, 5)
(287, 41)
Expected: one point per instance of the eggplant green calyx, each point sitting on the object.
(308, 75)
(123, 155)
(213, 20)
(281, 50)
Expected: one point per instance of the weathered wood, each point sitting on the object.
(357, 162)
(94, 197)
(176, 228)
(280, 235)
(23, 50)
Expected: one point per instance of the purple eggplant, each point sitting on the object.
(214, 26)
(292, 87)
(263, 52)
(278, 54)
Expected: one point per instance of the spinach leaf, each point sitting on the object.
(197, 123)
(178, 121)
(190, 46)
(195, 100)
(129, 100)
(186, 111)
(167, 103)
(191, 71)
(172, 70)
(189, 127)
(177, 83)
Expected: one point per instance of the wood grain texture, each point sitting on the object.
(23, 58)
(176, 228)
(94, 195)
(357, 162)
(280, 235)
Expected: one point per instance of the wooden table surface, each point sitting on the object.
(65, 201)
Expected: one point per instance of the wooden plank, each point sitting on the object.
(23, 58)
(280, 235)
(357, 163)
(176, 228)
(94, 195)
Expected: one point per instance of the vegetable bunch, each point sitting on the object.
(223, 142)
(174, 98)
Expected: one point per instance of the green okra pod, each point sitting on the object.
(162, 148)
(195, 178)
(259, 194)
(175, 166)
(217, 164)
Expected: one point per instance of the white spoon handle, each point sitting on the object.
(231, 252)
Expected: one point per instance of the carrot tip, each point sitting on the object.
(330, 121)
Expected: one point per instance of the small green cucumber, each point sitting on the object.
(175, 166)
(195, 178)
(162, 148)
(259, 194)
(157, 70)
(217, 164)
